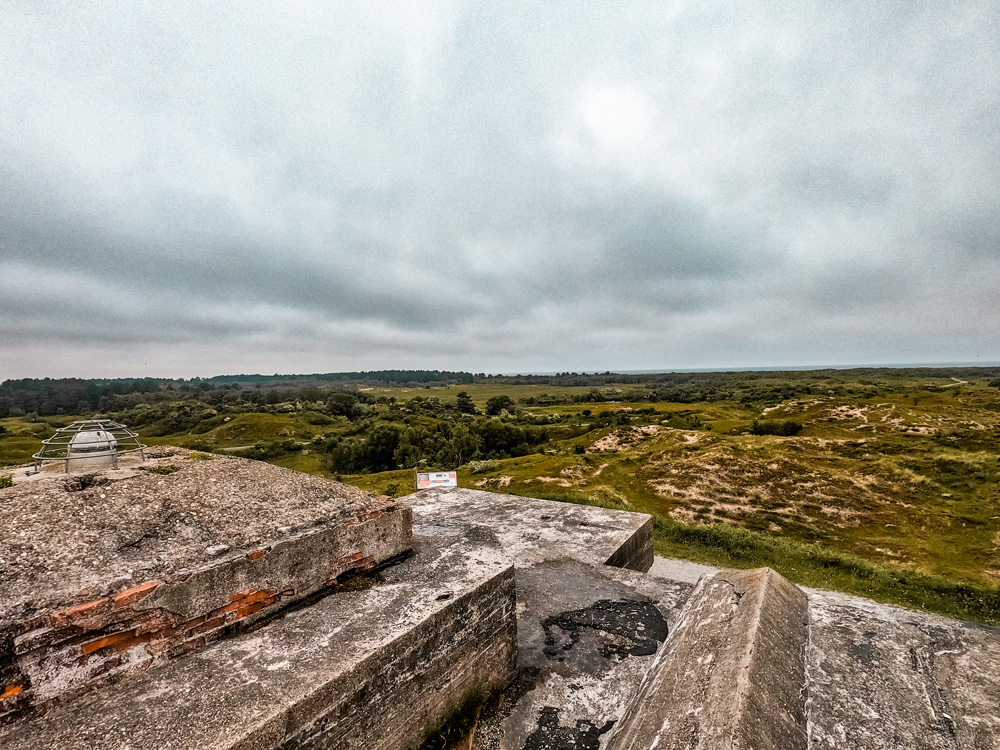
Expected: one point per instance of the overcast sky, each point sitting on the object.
(190, 189)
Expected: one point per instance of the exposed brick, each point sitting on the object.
(136, 640)
(81, 612)
(11, 690)
(153, 621)
(108, 640)
(157, 647)
(249, 610)
(187, 647)
(134, 594)
(208, 625)
(257, 596)
(193, 623)
(258, 553)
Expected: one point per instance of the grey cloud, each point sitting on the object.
(363, 180)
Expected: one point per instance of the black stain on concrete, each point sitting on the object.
(550, 736)
(630, 628)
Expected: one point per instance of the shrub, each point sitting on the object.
(164, 469)
(498, 404)
(784, 429)
(6, 480)
(481, 467)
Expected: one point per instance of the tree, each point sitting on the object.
(498, 404)
(465, 404)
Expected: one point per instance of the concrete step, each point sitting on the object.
(731, 673)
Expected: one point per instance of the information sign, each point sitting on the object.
(437, 479)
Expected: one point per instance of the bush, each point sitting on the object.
(481, 467)
(201, 445)
(6, 480)
(784, 429)
(498, 404)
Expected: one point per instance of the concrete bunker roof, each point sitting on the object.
(63, 546)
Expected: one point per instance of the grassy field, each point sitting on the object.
(889, 488)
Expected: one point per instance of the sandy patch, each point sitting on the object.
(624, 438)
(503, 481)
(561, 482)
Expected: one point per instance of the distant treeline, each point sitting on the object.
(48, 396)
(384, 377)
(721, 379)
(52, 396)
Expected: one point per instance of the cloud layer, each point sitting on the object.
(196, 189)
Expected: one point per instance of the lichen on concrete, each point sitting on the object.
(881, 678)
(106, 575)
(376, 665)
(62, 546)
(532, 530)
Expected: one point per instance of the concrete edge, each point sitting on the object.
(636, 552)
(730, 674)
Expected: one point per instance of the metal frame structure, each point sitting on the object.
(57, 447)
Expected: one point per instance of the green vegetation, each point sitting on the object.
(884, 483)
(788, 428)
(6, 480)
(729, 546)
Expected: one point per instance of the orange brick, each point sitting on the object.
(241, 595)
(134, 594)
(190, 624)
(81, 612)
(10, 690)
(136, 640)
(256, 596)
(108, 640)
(249, 610)
(153, 621)
(258, 553)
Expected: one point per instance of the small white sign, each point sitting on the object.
(437, 479)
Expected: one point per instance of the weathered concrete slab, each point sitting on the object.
(110, 578)
(375, 665)
(673, 569)
(881, 677)
(586, 636)
(532, 530)
(730, 675)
